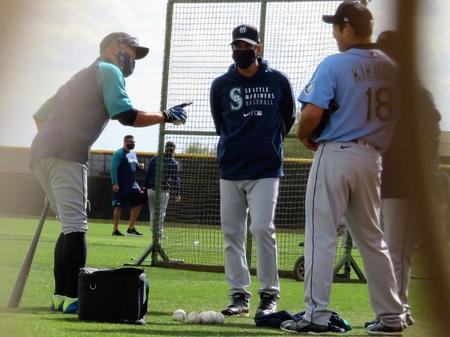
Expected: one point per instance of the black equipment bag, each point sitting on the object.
(113, 295)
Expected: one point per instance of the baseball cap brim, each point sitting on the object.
(253, 43)
(329, 19)
(141, 52)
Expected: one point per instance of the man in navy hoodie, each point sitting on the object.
(253, 109)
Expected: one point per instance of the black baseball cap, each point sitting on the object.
(389, 42)
(170, 145)
(245, 33)
(126, 39)
(352, 12)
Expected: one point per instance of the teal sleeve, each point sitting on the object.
(115, 163)
(44, 110)
(112, 83)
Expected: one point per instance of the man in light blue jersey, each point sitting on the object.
(348, 116)
(68, 124)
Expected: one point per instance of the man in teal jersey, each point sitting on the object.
(126, 191)
(68, 124)
(352, 93)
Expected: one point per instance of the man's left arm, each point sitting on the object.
(287, 106)
(310, 118)
(115, 163)
(119, 107)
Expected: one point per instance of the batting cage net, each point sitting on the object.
(197, 50)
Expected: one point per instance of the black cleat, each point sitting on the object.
(117, 233)
(305, 327)
(409, 320)
(238, 306)
(379, 329)
(267, 304)
(133, 232)
(375, 321)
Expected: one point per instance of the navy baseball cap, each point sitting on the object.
(170, 145)
(352, 12)
(245, 33)
(126, 39)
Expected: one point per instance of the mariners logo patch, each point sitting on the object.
(309, 88)
(236, 99)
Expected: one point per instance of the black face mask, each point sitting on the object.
(130, 146)
(126, 63)
(244, 58)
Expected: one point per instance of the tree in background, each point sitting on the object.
(198, 148)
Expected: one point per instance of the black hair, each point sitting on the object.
(361, 31)
(388, 42)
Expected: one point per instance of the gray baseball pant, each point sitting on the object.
(162, 207)
(400, 235)
(345, 180)
(259, 197)
(65, 185)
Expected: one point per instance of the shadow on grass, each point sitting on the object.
(159, 328)
(159, 313)
(74, 318)
(165, 328)
(28, 238)
(217, 330)
(213, 331)
(26, 310)
(21, 237)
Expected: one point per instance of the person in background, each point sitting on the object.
(170, 176)
(397, 215)
(126, 190)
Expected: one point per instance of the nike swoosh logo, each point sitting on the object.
(247, 114)
(344, 147)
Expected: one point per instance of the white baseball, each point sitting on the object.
(179, 315)
(193, 317)
(219, 317)
(212, 317)
(202, 316)
(206, 317)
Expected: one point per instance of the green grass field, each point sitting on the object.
(169, 290)
(203, 245)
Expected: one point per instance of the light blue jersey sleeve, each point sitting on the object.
(112, 82)
(322, 87)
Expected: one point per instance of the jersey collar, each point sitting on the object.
(363, 46)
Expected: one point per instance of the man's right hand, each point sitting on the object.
(115, 188)
(309, 143)
(176, 114)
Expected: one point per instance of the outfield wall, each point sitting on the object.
(23, 195)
